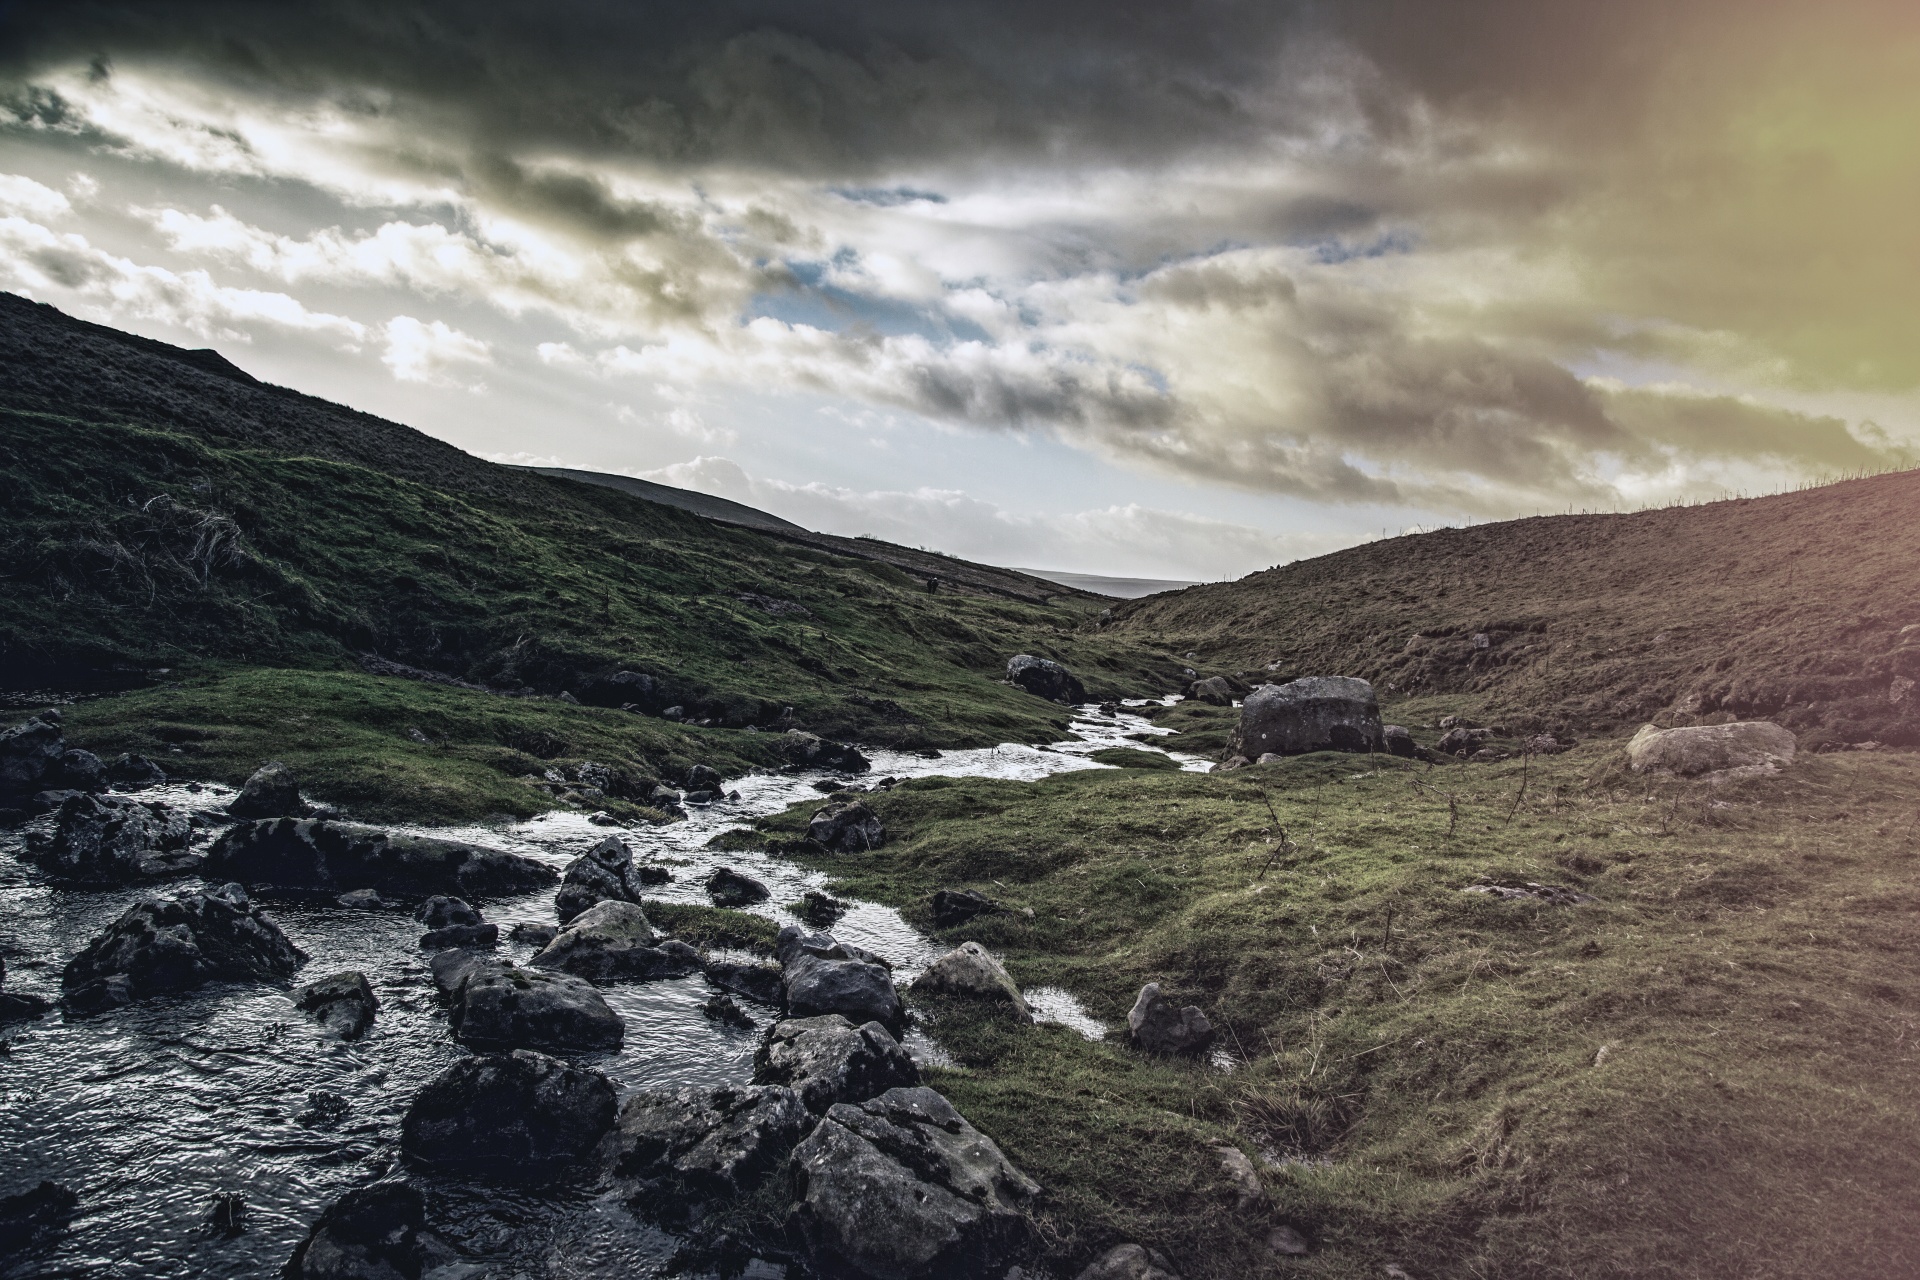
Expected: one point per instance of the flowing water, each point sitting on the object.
(152, 1111)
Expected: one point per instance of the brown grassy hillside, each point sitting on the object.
(1803, 607)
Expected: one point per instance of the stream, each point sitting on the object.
(151, 1111)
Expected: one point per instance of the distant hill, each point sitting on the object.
(1803, 607)
(1101, 585)
(701, 504)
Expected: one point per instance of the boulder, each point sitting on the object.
(762, 982)
(614, 940)
(1155, 1026)
(343, 1003)
(131, 772)
(703, 1143)
(1129, 1262)
(702, 777)
(1754, 748)
(969, 972)
(1214, 690)
(847, 826)
(828, 1059)
(1045, 678)
(901, 1187)
(604, 873)
(629, 690)
(175, 944)
(371, 1233)
(719, 1007)
(957, 906)
(809, 751)
(272, 792)
(497, 1006)
(81, 771)
(1319, 713)
(821, 975)
(333, 857)
(508, 1116)
(1398, 741)
(729, 888)
(453, 922)
(113, 840)
(30, 756)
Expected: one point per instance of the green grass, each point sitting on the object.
(1710, 1071)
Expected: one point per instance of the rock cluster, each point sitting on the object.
(343, 1003)
(454, 922)
(174, 944)
(113, 840)
(1154, 1025)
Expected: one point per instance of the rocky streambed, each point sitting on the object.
(204, 1132)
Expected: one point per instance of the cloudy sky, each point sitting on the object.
(1173, 289)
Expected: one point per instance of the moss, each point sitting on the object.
(713, 926)
(1131, 758)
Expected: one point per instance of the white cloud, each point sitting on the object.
(24, 196)
(429, 352)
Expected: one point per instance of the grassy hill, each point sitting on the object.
(1800, 607)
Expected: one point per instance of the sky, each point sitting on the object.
(1177, 290)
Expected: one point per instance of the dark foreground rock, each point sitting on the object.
(820, 974)
(33, 1214)
(901, 1187)
(828, 1059)
(604, 873)
(1045, 678)
(343, 1003)
(272, 792)
(957, 906)
(495, 1006)
(1154, 1025)
(809, 751)
(706, 1143)
(30, 756)
(729, 888)
(175, 944)
(613, 940)
(370, 1233)
(113, 840)
(1319, 713)
(847, 826)
(333, 857)
(508, 1116)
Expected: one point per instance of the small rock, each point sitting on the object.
(970, 972)
(847, 827)
(510, 1116)
(703, 778)
(226, 1216)
(1247, 1189)
(762, 982)
(325, 1110)
(1399, 741)
(729, 888)
(441, 910)
(603, 819)
(19, 1006)
(1045, 678)
(820, 910)
(1130, 1262)
(808, 751)
(720, 1008)
(1288, 1242)
(272, 792)
(362, 900)
(537, 934)
(343, 1003)
(827, 1059)
(30, 755)
(1155, 1026)
(131, 772)
(822, 975)
(957, 906)
(707, 1142)
(81, 771)
(1214, 690)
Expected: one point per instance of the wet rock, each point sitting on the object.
(1319, 713)
(175, 944)
(614, 940)
(453, 922)
(81, 771)
(729, 888)
(847, 826)
(828, 1059)
(720, 1008)
(762, 982)
(539, 935)
(1045, 678)
(1742, 749)
(20, 1006)
(30, 756)
(703, 778)
(113, 840)
(33, 1214)
(703, 1143)
(441, 910)
(272, 792)
(226, 1217)
(604, 873)
(957, 906)
(901, 1186)
(1398, 741)
(969, 972)
(508, 1116)
(1155, 1026)
(809, 751)
(1130, 1262)
(362, 900)
(821, 975)
(496, 1006)
(343, 1003)
(1214, 691)
(333, 857)
(132, 772)
(819, 909)
(370, 1233)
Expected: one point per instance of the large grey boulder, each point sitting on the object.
(1319, 713)
(809, 751)
(509, 1116)
(371, 1233)
(1154, 1025)
(495, 1006)
(1745, 748)
(333, 857)
(970, 972)
(847, 826)
(702, 1143)
(343, 1003)
(175, 944)
(828, 1059)
(819, 975)
(614, 940)
(30, 756)
(901, 1187)
(604, 873)
(1129, 1262)
(272, 792)
(1045, 678)
(113, 840)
